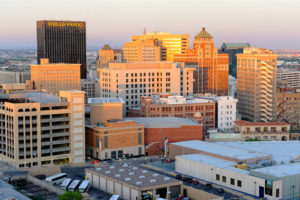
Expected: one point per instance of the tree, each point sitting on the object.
(68, 195)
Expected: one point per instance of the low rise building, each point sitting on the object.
(14, 76)
(37, 128)
(115, 139)
(263, 130)
(159, 131)
(167, 105)
(132, 182)
(290, 76)
(12, 88)
(215, 135)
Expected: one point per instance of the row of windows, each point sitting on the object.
(232, 180)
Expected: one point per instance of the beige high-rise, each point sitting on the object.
(130, 81)
(55, 77)
(170, 44)
(37, 128)
(256, 84)
(141, 51)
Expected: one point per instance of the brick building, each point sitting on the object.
(114, 139)
(167, 105)
(211, 68)
(175, 129)
(263, 130)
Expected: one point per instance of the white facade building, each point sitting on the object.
(226, 112)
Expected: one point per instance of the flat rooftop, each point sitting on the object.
(37, 97)
(247, 123)
(215, 162)
(134, 176)
(221, 149)
(105, 100)
(281, 151)
(280, 170)
(163, 122)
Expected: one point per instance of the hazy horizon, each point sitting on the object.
(263, 23)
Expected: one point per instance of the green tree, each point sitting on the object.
(68, 195)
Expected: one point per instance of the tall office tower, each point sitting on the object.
(62, 42)
(232, 49)
(130, 81)
(211, 74)
(256, 84)
(170, 44)
(141, 51)
(55, 77)
(41, 129)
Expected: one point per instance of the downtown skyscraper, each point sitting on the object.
(62, 42)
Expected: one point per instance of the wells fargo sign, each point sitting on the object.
(64, 24)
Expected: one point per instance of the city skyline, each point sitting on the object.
(114, 22)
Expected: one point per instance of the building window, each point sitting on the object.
(239, 183)
(224, 179)
(218, 177)
(232, 181)
(277, 192)
(140, 138)
(97, 141)
(105, 142)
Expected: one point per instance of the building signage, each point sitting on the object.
(66, 24)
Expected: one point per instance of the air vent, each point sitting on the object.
(138, 183)
(112, 167)
(121, 170)
(134, 168)
(131, 173)
(125, 165)
(141, 177)
(98, 169)
(166, 178)
(127, 179)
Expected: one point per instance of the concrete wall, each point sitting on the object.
(195, 194)
(46, 170)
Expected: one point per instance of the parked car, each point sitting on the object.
(196, 182)
(178, 177)
(220, 190)
(187, 180)
(208, 186)
(109, 161)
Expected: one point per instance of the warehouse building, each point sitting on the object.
(133, 183)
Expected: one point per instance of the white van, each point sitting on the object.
(115, 197)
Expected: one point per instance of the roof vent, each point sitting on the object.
(121, 170)
(127, 179)
(138, 183)
(134, 168)
(118, 175)
(167, 178)
(131, 173)
(141, 177)
(155, 175)
(98, 169)
(145, 171)
(125, 165)
(112, 167)
(152, 180)
(107, 172)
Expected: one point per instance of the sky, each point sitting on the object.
(270, 24)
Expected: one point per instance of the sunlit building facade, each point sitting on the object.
(256, 84)
(211, 68)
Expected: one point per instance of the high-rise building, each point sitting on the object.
(62, 42)
(55, 77)
(289, 77)
(107, 55)
(141, 51)
(211, 74)
(170, 44)
(130, 81)
(41, 129)
(256, 84)
(232, 49)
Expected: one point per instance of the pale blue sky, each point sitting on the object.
(266, 23)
